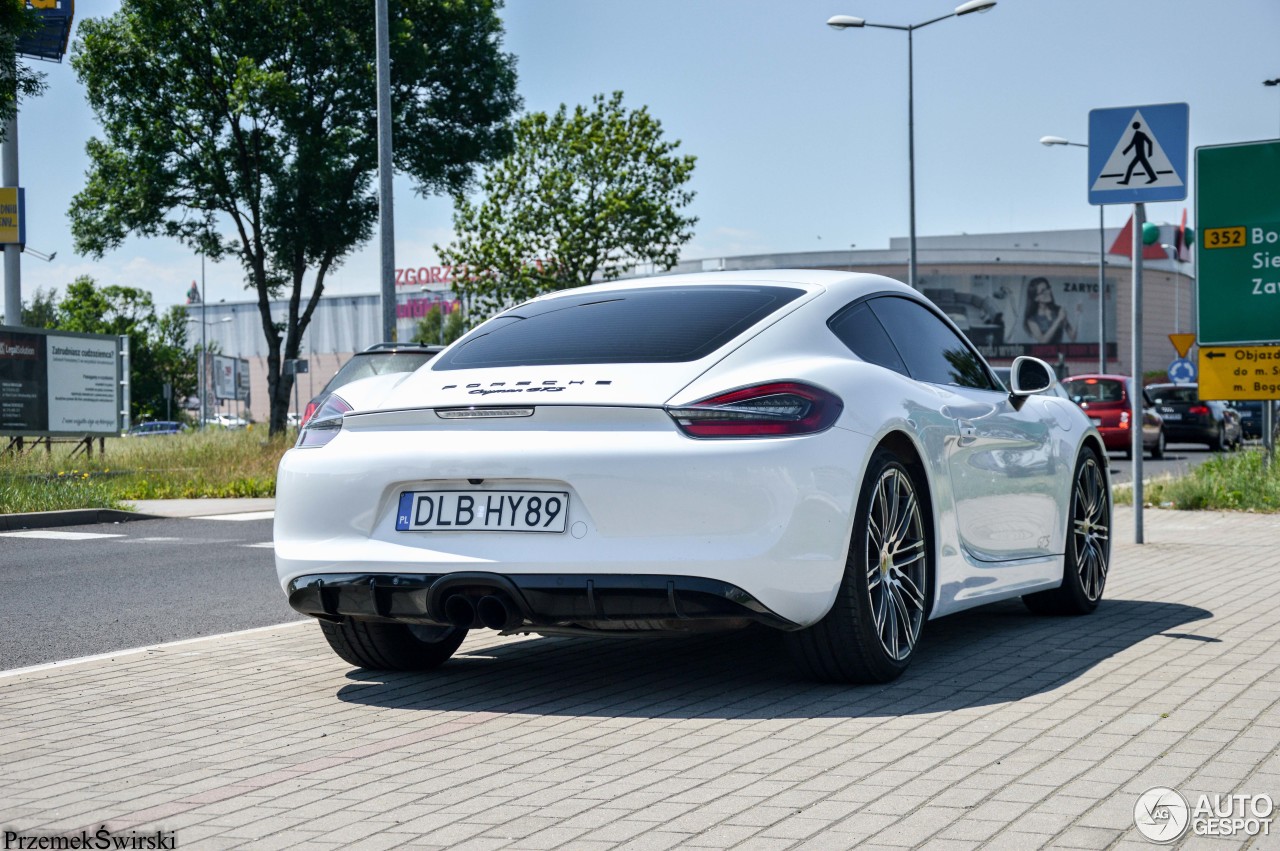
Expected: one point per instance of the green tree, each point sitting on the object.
(17, 82)
(247, 129)
(429, 329)
(158, 348)
(595, 192)
(42, 310)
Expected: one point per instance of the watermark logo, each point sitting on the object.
(1161, 815)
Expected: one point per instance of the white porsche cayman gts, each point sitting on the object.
(819, 452)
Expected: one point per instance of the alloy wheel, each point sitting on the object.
(896, 559)
(1090, 528)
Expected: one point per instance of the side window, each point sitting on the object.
(858, 328)
(932, 351)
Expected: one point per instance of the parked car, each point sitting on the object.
(378, 359)
(156, 427)
(819, 452)
(1106, 399)
(225, 421)
(1189, 419)
(1250, 412)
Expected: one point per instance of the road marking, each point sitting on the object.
(155, 540)
(248, 515)
(269, 545)
(133, 651)
(54, 535)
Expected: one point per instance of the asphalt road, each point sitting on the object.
(1179, 458)
(152, 581)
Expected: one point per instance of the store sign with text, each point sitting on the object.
(58, 383)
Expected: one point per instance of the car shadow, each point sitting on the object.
(995, 654)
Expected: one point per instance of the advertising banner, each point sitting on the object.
(58, 383)
(1007, 316)
(230, 378)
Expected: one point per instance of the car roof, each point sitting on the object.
(401, 347)
(848, 285)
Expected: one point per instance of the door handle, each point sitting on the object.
(968, 432)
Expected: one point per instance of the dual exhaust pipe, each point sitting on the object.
(493, 611)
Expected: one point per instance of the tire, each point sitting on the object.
(392, 646)
(1088, 555)
(1157, 451)
(1219, 440)
(874, 625)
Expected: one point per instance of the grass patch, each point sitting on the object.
(1236, 481)
(215, 463)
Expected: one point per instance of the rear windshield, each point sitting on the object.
(377, 363)
(1094, 390)
(651, 325)
(1174, 393)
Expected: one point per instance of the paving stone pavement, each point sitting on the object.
(1009, 730)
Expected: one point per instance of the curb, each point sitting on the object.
(73, 517)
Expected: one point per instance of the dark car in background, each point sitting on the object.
(1190, 419)
(1250, 412)
(378, 359)
(1105, 398)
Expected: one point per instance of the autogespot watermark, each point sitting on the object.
(102, 838)
(1163, 815)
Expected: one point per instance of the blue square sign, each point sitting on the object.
(1138, 154)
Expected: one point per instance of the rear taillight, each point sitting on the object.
(325, 423)
(308, 412)
(782, 408)
(1199, 410)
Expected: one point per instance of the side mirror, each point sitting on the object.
(1030, 375)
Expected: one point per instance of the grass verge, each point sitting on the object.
(1236, 481)
(215, 463)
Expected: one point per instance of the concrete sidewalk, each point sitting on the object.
(143, 509)
(1009, 731)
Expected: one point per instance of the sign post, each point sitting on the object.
(1238, 285)
(1138, 154)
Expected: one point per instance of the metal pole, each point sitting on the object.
(12, 253)
(1102, 289)
(1135, 415)
(911, 158)
(1268, 432)
(204, 348)
(386, 218)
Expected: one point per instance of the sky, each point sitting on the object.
(800, 131)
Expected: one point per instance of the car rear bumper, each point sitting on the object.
(772, 517)
(597, 602)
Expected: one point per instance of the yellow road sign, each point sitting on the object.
(1240, 372)
(1183, 343)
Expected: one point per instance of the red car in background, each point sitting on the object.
(1106, 399)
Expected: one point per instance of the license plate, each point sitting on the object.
(1170, 417)
(482, 511)
(1096, 420)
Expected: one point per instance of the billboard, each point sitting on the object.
(230, 378)
(49, 42)
(13, 215)
(58, 383)
(1044, 316)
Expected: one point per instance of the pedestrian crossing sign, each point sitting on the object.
(1138, 154)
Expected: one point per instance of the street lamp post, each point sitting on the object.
(1275, 82)
(844, 22)
(1050, 141)
(1177, 286)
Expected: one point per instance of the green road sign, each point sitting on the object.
(1238, 261)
